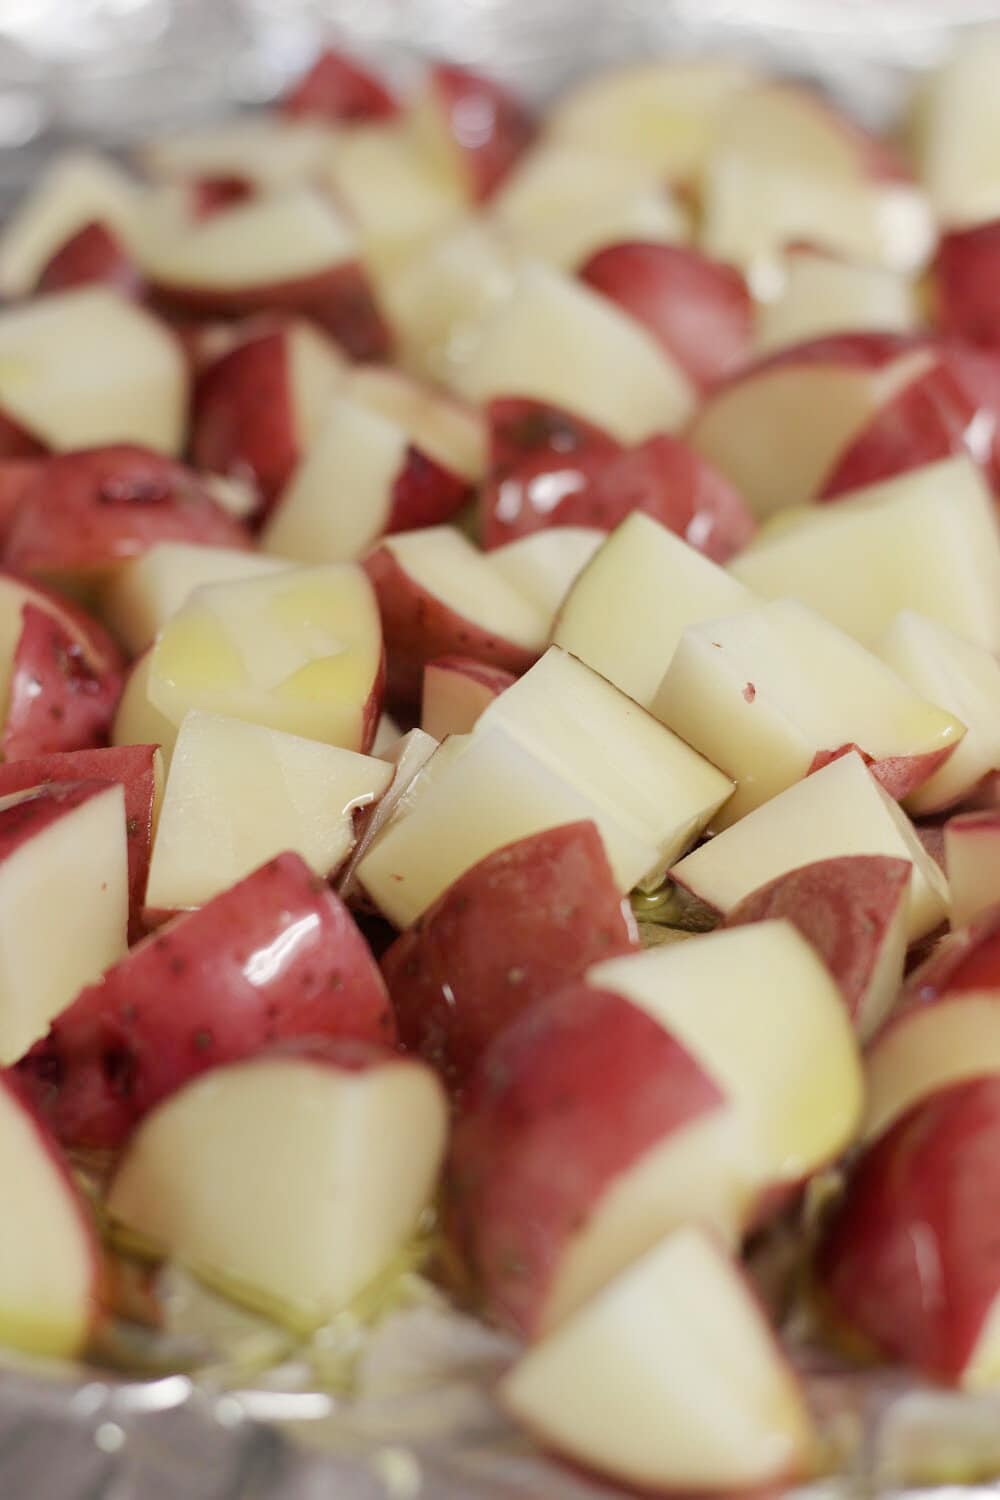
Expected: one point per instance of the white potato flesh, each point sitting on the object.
(557, 341)
(758, 1009)
(965, 679)
(491, 794)
(440, 297)
(136, 721)
(957, 132)
(406, 757)
(49, 1258)
(562, 203)
(299, 650)
(266, 241)
(761, 693)
(972, 859)
(628, 608)
(926, 540)
(51, 382)
(149, 590)
(239, 794)
(545, 564)
(813, 411)
(611, 750)
(76, 190)
(823, 294)
(927, 1049)
(76, 867)
(453, 434)
(266, 150)
(840, 809)
(290, 1178)
(662, 114)
(669, 1379)
(339, 499)
(446, 564)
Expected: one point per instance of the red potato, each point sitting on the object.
(900, 775)
(257, 406)
(549, 468)
(17, 443)
(700, 310)
(16, 477)
(972, 860)
(136, 767)
(486, 126)
(965, 961)
(93, 253)
(276, 957)
(965, 276)
(853, 912)
(519, 925)
(456, 690)
(438, 597)
(337, 88)
(83, 513)
(59, 698)
(565, 1105)
(53, 1279)
(909, 1261)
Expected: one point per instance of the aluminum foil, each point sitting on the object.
(231, 1408)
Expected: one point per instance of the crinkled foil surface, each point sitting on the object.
(404, 1412)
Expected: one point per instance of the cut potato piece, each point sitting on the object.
(294, 1179)
(663, 114)
(544, 565)
(78, 189)
(629, 607)
(149, 591)
(51, 1271)
(840, 809)
(759, 1010)
(669, 1380)
(52, 384)
(823, 294)
(300, 650)
(615, 753)
(957, 132)
(238, 794)
(490, 794)
(926, 540)
(557, 341)
(137, 722)
(961, 677)
(61, 844)
(764, 694)
(972, 859)
(264, 151)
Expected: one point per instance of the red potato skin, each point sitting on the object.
(522, 923)
(899, 775)
(425, 493)
(134, 767)
(912, 1258)
(338, 89)
(93, 254)
(243, 421)
(417, 627)
(17, 442)
(455, 692)
(548, 468)
(964, 275)
(211, 195)
(698, 310)
(276, 957)
(59, 698)
(339, 300)
(842, 907)
(16, 477)
(965, 960)
(567, 1098)
(488, 126)
(84, 513)
(45, 805)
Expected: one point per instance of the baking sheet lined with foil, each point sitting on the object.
(231, 1406)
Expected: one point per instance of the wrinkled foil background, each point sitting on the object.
(419, 1424)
